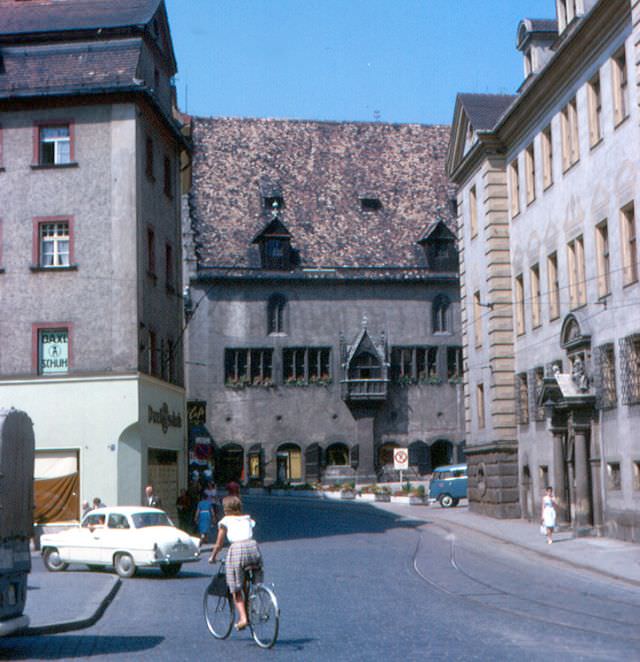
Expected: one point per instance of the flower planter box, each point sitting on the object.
(331, 494)
(366, 497)
(382, 497)
(415, 500)
(400, 499)
(348, 494)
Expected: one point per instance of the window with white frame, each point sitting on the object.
(480, 405)
(54, 144)
(519, 300)
(595, 110)
(602, 259)
(577, 276)
(620, 86)
(54, 244)
(536, 319)
(547, 157)
(629, 246)
(553, 285)
(514, 185)
(570, 135)
(530, 173)
(473, 212)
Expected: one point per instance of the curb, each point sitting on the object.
(570, 564)
(80, 624)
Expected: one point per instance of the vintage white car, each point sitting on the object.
(126, 538)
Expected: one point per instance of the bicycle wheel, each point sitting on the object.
(264, 616)
(218, 614)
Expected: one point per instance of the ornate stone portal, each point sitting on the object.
(569, 402)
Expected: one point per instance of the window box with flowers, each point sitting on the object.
(382, 493)
(237, 383)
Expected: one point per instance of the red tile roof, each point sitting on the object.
(321, 170)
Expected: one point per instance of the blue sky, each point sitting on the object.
(356, 60)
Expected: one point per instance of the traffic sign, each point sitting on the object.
(400, 458)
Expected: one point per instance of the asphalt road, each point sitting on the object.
(357, 583)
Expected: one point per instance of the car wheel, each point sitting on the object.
(124, 565)
(171, 569)
(447, 501)
(51, 559)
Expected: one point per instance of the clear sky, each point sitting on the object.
(393, 60)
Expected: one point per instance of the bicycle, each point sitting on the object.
(262, 608)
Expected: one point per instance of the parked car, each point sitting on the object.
(449, 485)
(126, 538)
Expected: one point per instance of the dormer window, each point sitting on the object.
(370, 204)
(275, 245)
(439, 245)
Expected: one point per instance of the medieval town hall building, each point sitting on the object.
(324, 296)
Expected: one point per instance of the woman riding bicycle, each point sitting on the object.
(243, 553)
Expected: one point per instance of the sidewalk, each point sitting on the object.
(606, 556)
(70, 600)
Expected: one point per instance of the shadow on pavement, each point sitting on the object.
(57, 647)
(280, 519)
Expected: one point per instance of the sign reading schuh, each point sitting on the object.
(53, 352)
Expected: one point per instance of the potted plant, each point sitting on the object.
(382, 493)
(348, 491)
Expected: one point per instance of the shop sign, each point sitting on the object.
(53, 352)
(163, 418)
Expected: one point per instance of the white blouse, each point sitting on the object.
(239, 527)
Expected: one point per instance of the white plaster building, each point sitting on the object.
(90, 248)
(547, 200)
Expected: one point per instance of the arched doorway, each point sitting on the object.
(527, 493)
(289, 463)
(419, 457)
(230, 464)
(441, 453)
(385, 454)
(337, 455)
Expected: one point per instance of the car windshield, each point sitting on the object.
(141, 520)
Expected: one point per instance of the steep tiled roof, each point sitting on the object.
(51, 68)
(484, 110)
(46, 16)
(321, 170)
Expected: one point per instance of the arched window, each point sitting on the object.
(275, 313)
(337, 455)
(440, 314)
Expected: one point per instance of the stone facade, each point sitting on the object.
(566, 185)
(91, 248)
(365, 283)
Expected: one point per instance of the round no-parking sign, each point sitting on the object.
(400, 458)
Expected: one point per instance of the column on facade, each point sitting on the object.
(560, 476)
(582, 470)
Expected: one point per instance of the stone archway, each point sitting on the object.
(420, 457)
(229, 464)
(441, 453)
(288, 463)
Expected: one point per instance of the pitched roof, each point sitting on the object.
(52, 68)
(323, 170)
(484, 110)
(46, 16)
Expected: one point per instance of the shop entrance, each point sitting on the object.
(163, 475)
(230, 464)
(289, 463)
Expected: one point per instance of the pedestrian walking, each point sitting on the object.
(86, 507)
(97, 503)
(204, 518)
(183, 506)
(151, 499)
(548, 518)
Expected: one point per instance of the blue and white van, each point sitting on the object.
(448, 485)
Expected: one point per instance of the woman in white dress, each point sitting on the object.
(549, 513)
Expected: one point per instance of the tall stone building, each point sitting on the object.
(547, 191)
(90, 248)
(324, 326)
